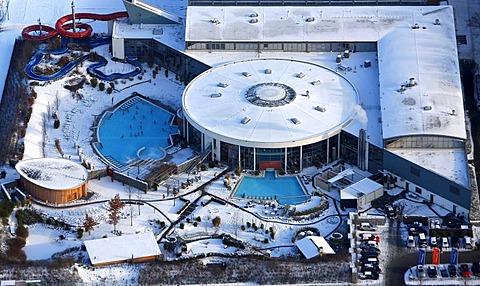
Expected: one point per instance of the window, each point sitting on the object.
(418, 190)
(415, 171)
(461, 39)
(455, 191)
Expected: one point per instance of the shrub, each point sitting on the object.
(140, 77)
(255, 227)
(182, 225)
(211, 164)
(166, 73)
(249, 224)
(198, 218)
(243, 227)
(6, 208)
(281, 172)
(203, 168)
(238, 171)
(195, 223)
(265, 240)
(257, 172)
(79, 232)
(101, 86)
(262, 226)
(109, 90)
(21, 231)
(216, 221)
(56, 124)
(94, 82)
(16, 242)
(162, 223)
(188, 220)
(27, 216)
(272, 234)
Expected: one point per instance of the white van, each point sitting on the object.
(411, 241)
(468, 242)
(422, 240)
(445, 243)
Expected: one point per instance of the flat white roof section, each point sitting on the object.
(311, 246)
(280, 105)
(121, 248)
(410, 45)
(360, 188)
(53, 173)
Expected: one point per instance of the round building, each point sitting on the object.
(269, 113)
(56, 181)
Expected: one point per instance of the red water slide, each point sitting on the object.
(64, 29)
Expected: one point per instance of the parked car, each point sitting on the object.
(410, 242)
(367, 236)
(368, 243)
(367, 226)
(422, 240)
(420, 271)
(432, 271)
(369, 254)
(369, 275)
(464, 270)
(443, 272)
(452, 270)
(433, 241)
(468, 242)
(368, 260)
(455, 242)
(476, 268)
(390, 211)
(371, 249)
(435, 224)
(371, 267)
(445, 243)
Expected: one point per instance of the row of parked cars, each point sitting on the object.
(450, 270)
(443, 242)
(369, 263)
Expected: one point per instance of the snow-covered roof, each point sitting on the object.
(360, 188)
(434, 106)
(53, 173)
(310, 246)
(270, 102)
(121, 248)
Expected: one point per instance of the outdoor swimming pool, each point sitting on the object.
(286, 190)
(136, 130)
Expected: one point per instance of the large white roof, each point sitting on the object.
(121, 248)
(310, 246)
(53, 173)
(270, 126)
(428, 54)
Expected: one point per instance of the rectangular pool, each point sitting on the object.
(286, 190)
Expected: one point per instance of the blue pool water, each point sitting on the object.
(136, 130)
(286, 190)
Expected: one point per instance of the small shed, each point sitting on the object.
(360, 193)
(126, 248)
(311, 246)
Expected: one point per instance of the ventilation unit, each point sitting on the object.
(412, 82)
(301, 75)
(222, 84)
(316, 82)
(214, 95)
(253, 20)
(246, 74)
(321, 109)
(427, 107)
(254, 14)
(295, 121)
(245, 120)
(268, 71)
(310, 19)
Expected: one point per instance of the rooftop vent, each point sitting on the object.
(253, 21)
(367, 63)
(301, 75)
(321, 109)
(427, 107)
(254, 14)
(416, 26)
(245, 120)
(268, 71)
(437, 22)
(246, 74)
(402, 89)
(412, 82)
(310, 19)
(316, 82)
(295, 121)
(346, 54)
(453, 112)
(214, 95)
(222, 84)
(339, 59)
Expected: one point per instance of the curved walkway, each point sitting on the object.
(93, 69)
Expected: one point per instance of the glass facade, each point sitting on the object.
(349, 148)
(303, 2)
(431, 142)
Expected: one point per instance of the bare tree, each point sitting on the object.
(216, 221)
(474, 21)
(115, 206)
(235, 221)
(89, 223)
(49, 111)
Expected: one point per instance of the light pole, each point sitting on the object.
(73, 17)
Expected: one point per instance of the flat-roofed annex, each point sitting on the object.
(413, 42)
